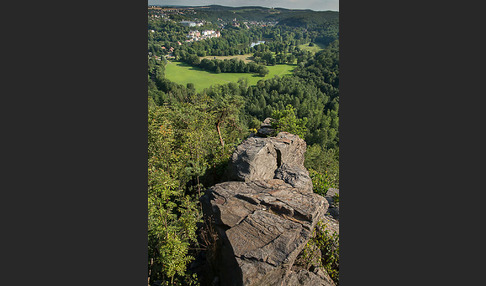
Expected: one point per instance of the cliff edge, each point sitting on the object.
(264, 215)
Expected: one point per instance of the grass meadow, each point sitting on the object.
(317, 47)
(183, 73)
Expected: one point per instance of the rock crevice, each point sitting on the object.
(264, 214)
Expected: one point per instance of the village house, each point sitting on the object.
(193, 34)
(211, 33)
(187, 23)
(206, 34)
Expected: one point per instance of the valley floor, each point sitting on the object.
(183, 73)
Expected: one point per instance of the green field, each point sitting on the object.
(245, 58)
(182, 73)
(314, 49)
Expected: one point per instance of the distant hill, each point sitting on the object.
(227, 8)
(290, 17)
(307, 18)
(325, 23)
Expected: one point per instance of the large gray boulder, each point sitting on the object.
(291, 149)
(258, 158)
(295, 175)
(266, 129)
(307, 278)
(254, 159)
(264, 225)
(264, 215)
(333, 206)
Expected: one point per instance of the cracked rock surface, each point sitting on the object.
(307, 278)
(265, 215)
(258, 158)
(333, 208)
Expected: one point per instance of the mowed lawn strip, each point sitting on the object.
(183, 73)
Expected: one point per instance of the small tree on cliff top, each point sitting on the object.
(285, 120)
(226, 110)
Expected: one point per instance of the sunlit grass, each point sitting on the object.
(182, 73)
(314, 49)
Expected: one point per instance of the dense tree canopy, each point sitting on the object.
(191, 135)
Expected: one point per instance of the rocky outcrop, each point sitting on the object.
(333, 207)
(258, 158)
(306, 278)
(264, 225)
(254, 159)
(266, 129)
(265, 214)
(296, 176)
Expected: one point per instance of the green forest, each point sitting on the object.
(192, 134)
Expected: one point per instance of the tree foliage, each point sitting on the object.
(172, 215)
(185, 156)
(323, 248)
(285, 120)
(191, 135)
(323, 166)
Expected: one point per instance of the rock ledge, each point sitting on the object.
(265, 214)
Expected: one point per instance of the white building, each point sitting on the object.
(187, 23)
(206, 34)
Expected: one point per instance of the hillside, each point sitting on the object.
(243, 146)
(258, 13)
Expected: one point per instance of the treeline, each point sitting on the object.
(261, 58)
(215, 12)
(313, 91)
(278, 39)
(224, 66)
(233, 66)
(322, 70)
(288, 16)
(282, 39)
(269, 58)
